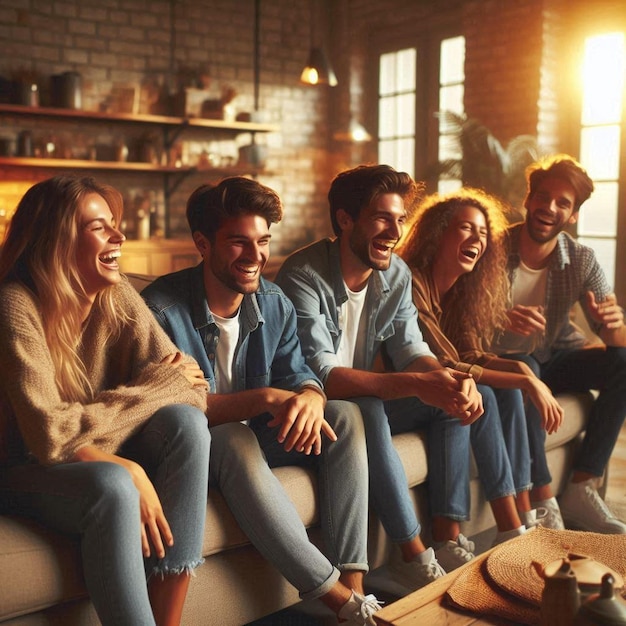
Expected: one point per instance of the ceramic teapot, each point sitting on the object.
(581, 591)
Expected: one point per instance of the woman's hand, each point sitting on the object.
(155, 529)
(549, 409)
(190, 369)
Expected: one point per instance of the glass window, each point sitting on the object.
(398, 90)
(600, 136)
(396, 109)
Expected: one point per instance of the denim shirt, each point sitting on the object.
(312, 279)
(573, 270)
(268, 352)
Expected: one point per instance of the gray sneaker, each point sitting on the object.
(582, 508)
(359, 610)
(552, 517)
(417, 573)
(453, 554)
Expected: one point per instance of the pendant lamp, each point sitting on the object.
(318, 70)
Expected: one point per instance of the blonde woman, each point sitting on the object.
(102, 426)
(455, 251)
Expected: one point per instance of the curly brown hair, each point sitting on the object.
(476, 303)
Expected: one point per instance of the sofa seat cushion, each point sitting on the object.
(38, 567)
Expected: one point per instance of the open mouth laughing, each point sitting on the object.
(110, 258)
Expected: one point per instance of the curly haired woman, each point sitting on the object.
(454, 248)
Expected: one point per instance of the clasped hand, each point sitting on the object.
(300, 416)
(452, 391)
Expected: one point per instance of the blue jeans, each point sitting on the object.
(448, 460)
(241, 462)
(99, 502)
(602, 369)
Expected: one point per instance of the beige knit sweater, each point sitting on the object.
(128, 380)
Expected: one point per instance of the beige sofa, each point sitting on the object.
(40, 571)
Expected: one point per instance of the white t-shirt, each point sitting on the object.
(529, 289)
(349, 323)
(225, 351)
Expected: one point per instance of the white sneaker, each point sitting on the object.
(553, 518)
(415, 574)
(583, 509)
(453, 554)
(534, 517)
(505, 535)
(359, 610)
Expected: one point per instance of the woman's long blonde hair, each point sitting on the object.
(476, 303)
(40, 252)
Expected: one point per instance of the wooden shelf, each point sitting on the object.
(124, 166)
(171, 128)
(154, 120)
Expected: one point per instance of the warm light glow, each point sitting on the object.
(11, 193)
(603, 79)
(309, 76)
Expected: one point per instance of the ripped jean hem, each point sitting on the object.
(187, 569)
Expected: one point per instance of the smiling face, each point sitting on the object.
(376, 232)
(463, 243)
(98, 245)
(550, 209)
(234, 261)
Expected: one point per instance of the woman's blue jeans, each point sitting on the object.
(99, 502)
(603, 369)
(241, 462)
(448, 460)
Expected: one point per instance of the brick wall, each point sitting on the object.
(111, 43)
(510, 83)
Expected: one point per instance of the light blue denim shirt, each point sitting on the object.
(268, 353)
(573, 270)
(312, 279)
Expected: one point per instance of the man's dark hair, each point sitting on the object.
(355, 189)
(564, 167)
(209, 205)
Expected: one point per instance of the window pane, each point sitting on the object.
(387, 118)
(447, 185)
(452, 68)
(451, 99)
(605, 253)
(598, 216)
(449, 147)
(406, 115)
(386, 152)
(599, 151)
(603, 79)
(399, 153)
(405, 77)
(387, 74)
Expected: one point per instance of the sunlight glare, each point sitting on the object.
(603, 79)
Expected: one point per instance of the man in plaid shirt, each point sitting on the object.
(549, 272)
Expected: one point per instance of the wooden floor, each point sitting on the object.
(616, 490)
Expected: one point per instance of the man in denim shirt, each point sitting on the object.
(550, 272)
(354, 303)
(242, 331)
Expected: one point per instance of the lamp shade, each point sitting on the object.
(318, 70)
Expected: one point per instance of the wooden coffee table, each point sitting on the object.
(426, 607)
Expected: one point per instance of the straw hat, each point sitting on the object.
(509, 584)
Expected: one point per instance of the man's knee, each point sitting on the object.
(233, 444)
(344, 417)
